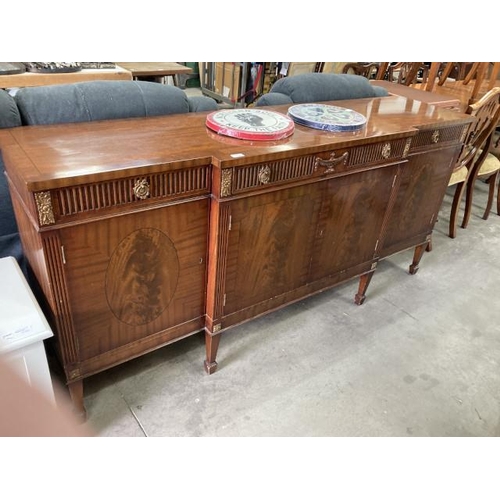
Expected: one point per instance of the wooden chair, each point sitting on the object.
(457, 69)
(404, 73)
(475, 160)
(480, 78)
(368, 70)
(486, 167)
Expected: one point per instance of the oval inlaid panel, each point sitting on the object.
(142, 276)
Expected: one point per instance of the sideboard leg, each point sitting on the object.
(76, 394)
(364, 281)
(419, 251)
(211, 346)
(428, 248)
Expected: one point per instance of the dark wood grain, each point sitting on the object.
(133, 277)
(422, 186)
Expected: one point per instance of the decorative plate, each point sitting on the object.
(325, 117)
(252, 124)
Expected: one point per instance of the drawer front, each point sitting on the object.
(99, 199)
(437, 137)
(261, 176)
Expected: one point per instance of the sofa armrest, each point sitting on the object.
(9, 114)
(273, 99)
(379, 91)
(202, 103)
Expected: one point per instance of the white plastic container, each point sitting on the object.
(23, 328)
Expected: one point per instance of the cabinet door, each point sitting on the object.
(421, 190)
(350, 223)
(269, 245)
(286, 240)
(133, 279)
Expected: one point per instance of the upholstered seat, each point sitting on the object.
(489, 171)
(458, 175)
(318, 87)
(491, 164)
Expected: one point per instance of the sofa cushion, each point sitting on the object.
(318, 87)
(98, 100)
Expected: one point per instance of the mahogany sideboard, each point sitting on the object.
(146, 230)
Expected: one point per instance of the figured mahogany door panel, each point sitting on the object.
(423, 184)
(351, 219)
(132, 276)
(269, 245)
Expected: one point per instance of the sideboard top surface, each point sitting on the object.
(60, 155)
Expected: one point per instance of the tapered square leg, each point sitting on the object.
(364, 281)
(76, 394)
(211, 346)
(419, 251)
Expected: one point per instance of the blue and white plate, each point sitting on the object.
(326, 117)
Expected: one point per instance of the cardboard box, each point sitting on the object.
(228, 80)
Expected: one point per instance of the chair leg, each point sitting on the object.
(471, 182)
(492, 181)
(498, 199)
(459, 191)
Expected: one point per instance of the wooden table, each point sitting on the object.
(155, 70)
(144, 231)
(441, 100)
(28, 79)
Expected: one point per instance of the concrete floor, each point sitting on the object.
(419, 358)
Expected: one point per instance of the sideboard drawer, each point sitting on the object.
(137, 193)
(331, 163)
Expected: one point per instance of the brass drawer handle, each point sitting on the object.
(331, 163)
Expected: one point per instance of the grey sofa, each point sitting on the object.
(319, 87)
(104, 100)
(10, 243)
(80, 102)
